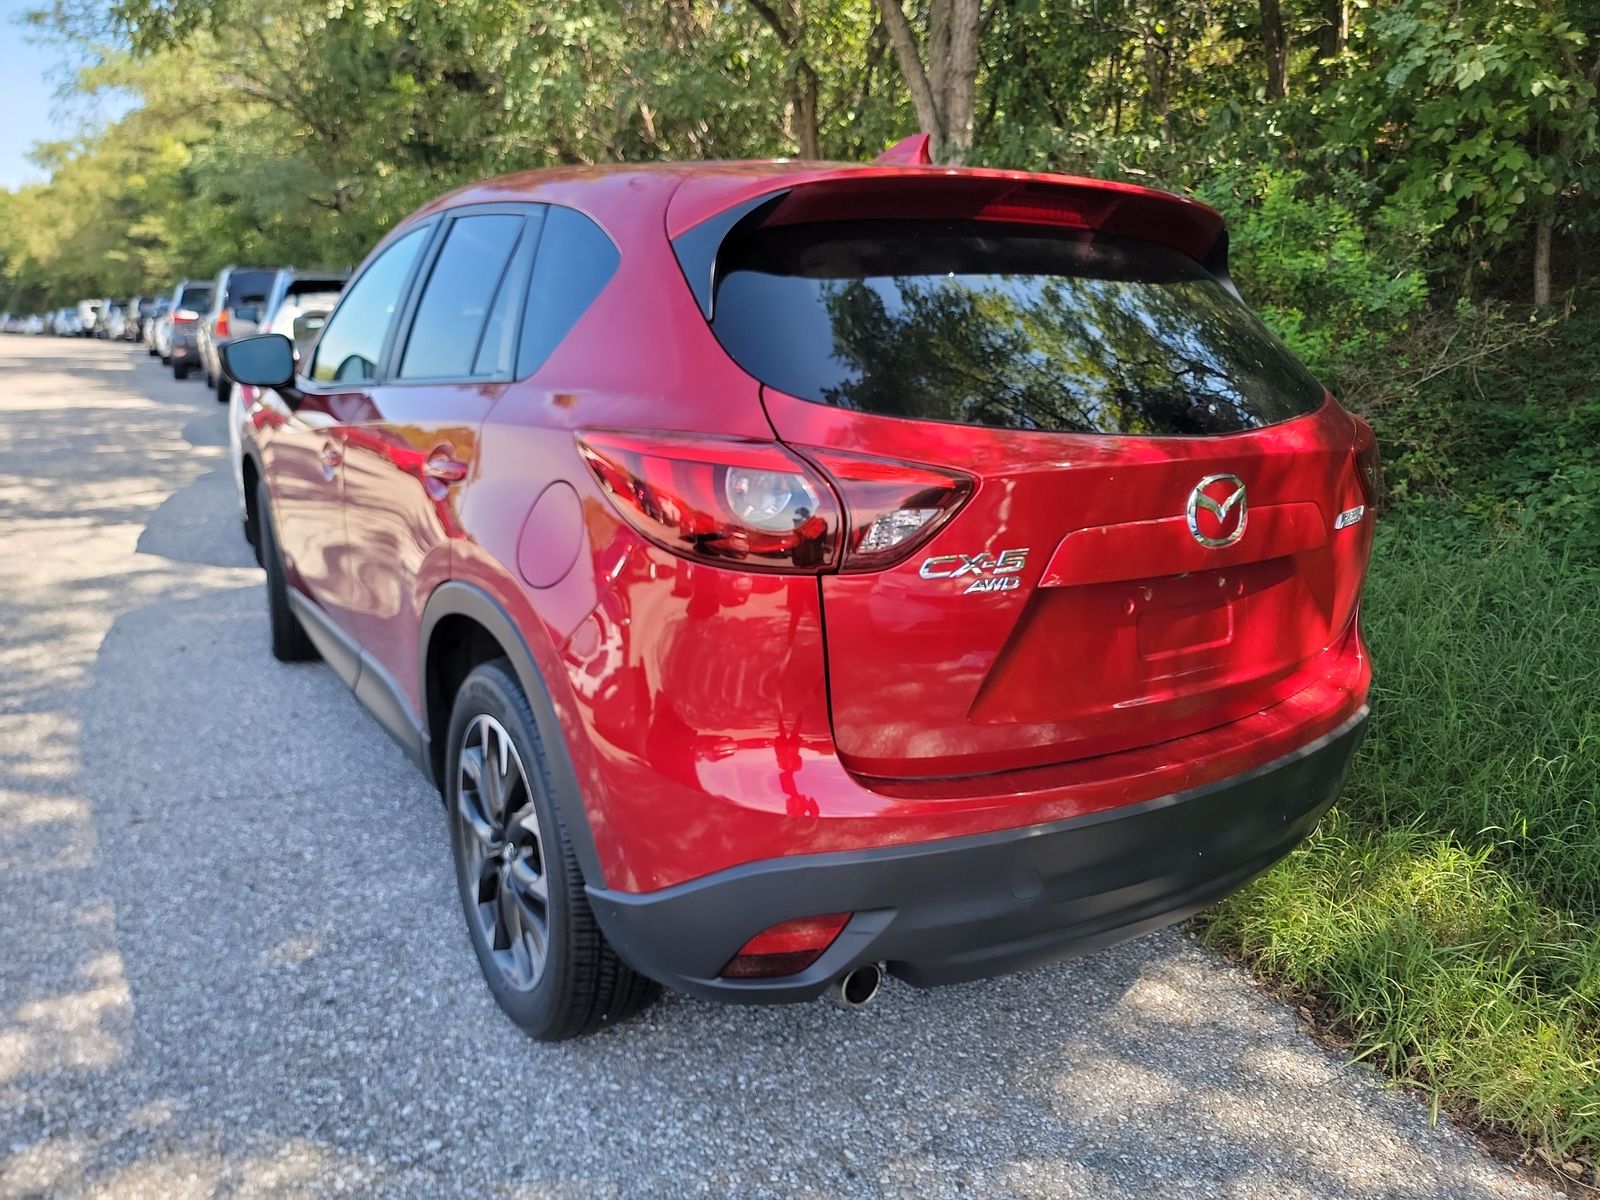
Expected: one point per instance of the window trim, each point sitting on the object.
(334, 387)
(518, 270)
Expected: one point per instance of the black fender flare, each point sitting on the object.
(455, 597)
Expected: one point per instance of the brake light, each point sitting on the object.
(222, 324)
(785, 949)
(1369, 464)
(753, 503)
(765, 506)
(185, 316)
(891, 508)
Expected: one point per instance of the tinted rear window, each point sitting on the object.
(249, 287)
(195, 298)
(1004, 326)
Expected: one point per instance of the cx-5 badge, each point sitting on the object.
(1223, 497)
(996, 573)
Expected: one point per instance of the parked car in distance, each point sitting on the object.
(190, 302)
(112, 325)
(296, 307)
(238, 298)
(790, 570)
(133, 313)
(89, 316)
(150, 335)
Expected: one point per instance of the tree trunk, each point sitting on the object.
(1336, 27)
(805, 115)
(1156, 66)
(1541, 260)
(905, 51)
(1275, 45)
(961, 79)
(944, 90)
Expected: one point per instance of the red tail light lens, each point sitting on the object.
(184, 316)
(222, 323)
(785, 949)
(764, 506)
(752, 503)
(891, 507)
(1369, 466)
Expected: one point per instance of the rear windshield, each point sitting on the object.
(1007, 326)
(195, 298)
(249, 287)
(321, 284)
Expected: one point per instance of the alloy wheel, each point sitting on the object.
(503, 853)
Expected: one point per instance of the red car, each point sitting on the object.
(792, 571)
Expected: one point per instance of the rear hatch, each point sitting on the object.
(1150, 548)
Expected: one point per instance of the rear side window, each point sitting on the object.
(249, 287)
(576, 260)
(457, 298)
(350, 345)
(1006, 326)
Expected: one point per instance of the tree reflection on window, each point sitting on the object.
(1020, 330)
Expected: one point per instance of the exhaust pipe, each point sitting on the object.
(857, 988)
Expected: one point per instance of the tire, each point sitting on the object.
(579, 985)
(180, 370)
(288, 637)
(224, 388)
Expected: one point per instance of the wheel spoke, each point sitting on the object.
(483, 838)
(494, 773)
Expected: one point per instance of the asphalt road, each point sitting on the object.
(232, 963)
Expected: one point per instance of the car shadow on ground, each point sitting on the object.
(244, 971)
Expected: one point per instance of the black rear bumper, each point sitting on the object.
(966, 908)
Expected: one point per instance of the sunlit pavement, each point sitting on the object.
(231, 960)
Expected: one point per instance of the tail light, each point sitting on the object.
(222, 324)
(1369, 466)
(185, 316)
(785, 949)
(763, 506)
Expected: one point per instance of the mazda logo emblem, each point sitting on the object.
(1221, 499)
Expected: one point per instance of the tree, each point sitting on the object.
(942, 72)
(1482, 116)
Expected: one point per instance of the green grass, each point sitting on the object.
(1445, 915)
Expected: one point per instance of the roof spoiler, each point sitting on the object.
(704, 212)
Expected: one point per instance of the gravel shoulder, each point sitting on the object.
(231, 960)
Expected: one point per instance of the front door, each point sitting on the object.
(307, 447)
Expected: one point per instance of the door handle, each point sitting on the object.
(332, 456)
(444, 468)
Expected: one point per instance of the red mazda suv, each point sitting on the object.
(790, 572)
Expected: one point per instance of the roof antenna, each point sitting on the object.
(908, 152)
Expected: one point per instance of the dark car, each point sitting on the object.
(190, 302)
(788, 571)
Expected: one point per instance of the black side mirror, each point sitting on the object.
(266, 360)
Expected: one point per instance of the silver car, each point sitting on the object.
(238, 303)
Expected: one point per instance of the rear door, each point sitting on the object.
(412, 440)
(1152, 547)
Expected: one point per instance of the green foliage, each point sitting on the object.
(1337, 288)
